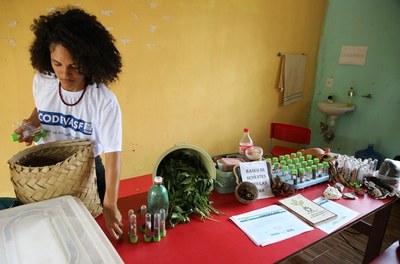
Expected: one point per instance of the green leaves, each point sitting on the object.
(189, 186)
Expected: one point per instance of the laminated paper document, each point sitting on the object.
(270, 225)
(306, 209)
(275, 223)
(344, 214)
(353, 55)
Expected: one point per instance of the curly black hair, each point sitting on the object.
(87, 40)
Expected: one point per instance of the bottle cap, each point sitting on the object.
(158, 180)
(14, 137)
(246, 129)
(37, 138)
(133, 239)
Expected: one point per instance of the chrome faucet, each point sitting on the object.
(369, 96)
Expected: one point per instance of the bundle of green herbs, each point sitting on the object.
(189, 186)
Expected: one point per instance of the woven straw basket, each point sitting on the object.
(55, 169)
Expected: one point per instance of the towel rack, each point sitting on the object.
(280, 54)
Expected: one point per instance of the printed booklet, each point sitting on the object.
(306, 209)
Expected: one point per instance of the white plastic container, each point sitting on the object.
(254, 153)
(59, 230)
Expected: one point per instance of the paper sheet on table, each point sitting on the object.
(344, 215)
(270, 225)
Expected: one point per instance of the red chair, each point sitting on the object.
(289, 133)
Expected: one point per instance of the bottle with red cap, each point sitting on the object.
(245, 142)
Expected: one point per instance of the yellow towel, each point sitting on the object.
(291, 81)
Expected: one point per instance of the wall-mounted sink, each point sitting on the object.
(334, 110)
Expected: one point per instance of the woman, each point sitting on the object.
(75, 58)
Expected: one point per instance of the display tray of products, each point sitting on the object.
(299, 171)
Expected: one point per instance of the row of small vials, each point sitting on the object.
(304, 169)
(302, 175)
(152, 226)
(292, 156)
(297, 169)
(354, 170)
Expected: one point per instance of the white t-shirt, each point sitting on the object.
(96, 117)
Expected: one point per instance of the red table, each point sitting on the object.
(221, 241)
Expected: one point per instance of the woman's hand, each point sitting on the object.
(32, 121)
(23, 134)
(113, 221)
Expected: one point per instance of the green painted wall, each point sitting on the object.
(375, 24)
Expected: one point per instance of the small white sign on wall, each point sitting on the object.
(257, 173)
(354, 55)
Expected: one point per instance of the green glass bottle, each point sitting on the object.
(157, 197)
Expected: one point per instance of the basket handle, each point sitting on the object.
(236, 172)
(63, 143)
